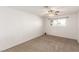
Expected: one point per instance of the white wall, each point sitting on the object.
(78, 26)
(17, 27)
(68, 31)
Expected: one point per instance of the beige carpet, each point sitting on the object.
(47, 43)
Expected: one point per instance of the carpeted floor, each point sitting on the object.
(47, 43)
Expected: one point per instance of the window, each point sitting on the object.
(59, 22)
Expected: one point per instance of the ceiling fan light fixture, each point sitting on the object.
(51, 11)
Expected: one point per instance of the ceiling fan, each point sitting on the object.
(50, 12)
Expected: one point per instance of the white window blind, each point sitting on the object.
(59, 22)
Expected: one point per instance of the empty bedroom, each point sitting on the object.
(39, 29)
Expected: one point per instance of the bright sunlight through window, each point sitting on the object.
(59, 22)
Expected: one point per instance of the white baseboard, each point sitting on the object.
(20, 42)
(63, 36)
